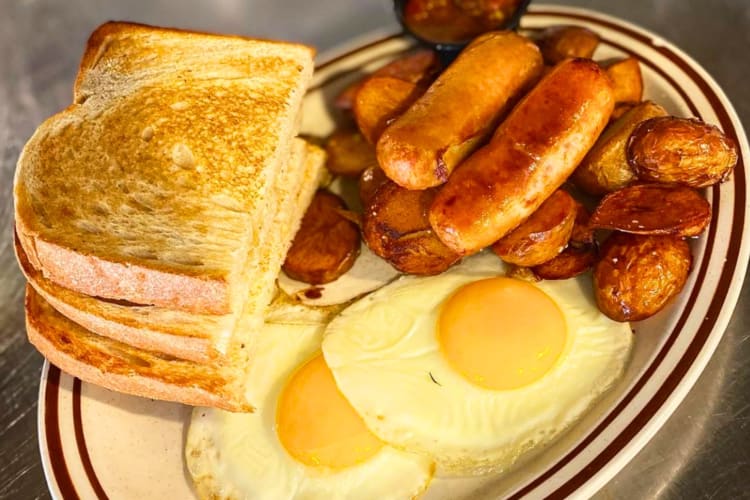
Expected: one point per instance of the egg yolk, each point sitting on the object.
(317, 425)
(501, 333)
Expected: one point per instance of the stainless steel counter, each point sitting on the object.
(704, 449)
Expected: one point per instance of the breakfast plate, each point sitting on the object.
(96, 443)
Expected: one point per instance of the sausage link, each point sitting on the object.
(530, 155)
(459, 110)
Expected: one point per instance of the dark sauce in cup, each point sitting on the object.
(456, 21)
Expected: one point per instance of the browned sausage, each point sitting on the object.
(327, 243)
(531, 154)
(458, 111)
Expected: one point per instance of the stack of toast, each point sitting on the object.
(154, 213)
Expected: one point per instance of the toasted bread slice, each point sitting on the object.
(152, 187)
(178, 333)
(122, 367)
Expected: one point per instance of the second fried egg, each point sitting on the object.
(304, 439)
(471, 368)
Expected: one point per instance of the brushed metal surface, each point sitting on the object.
(703, 451)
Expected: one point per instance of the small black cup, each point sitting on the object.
(447, 51)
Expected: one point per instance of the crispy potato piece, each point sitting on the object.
(562, 42)
(568, 264)
(653, 209)
(380, 100)
(681, 150)
(637, 275)
(626, 79)
(578, 257)
(543, 235)
(348, 153)
(327, 243)
(605, 168)
(583, 233)
(396, 228)
(620, 109)
(371, 179)
(420, 67)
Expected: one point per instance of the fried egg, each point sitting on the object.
(471, 368)
(304, 439)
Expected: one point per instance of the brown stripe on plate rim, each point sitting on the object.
(701, 336)
(60, 471)
(83, 451)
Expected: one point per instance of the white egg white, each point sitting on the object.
(384, 355)
(236, 455)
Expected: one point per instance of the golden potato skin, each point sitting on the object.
(637, 275)
(348, 153)
(653, 209)
(326, 244)
(605, 168)
(626, 79)
(568, 264)
(420, 67)
(379, 101)
(558, 43)
(371, 179)
(396, 228)
(543, 235)
(620, 109)
(681, 151)
(579, 255)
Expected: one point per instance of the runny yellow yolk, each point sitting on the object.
(316, 425)
(501, 333)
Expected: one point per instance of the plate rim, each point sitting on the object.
(694, 368)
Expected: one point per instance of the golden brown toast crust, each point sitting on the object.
(133, 333)
(131, 86)
(123, 368)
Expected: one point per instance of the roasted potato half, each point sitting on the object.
(682, 151)
(380, 100)
(637, 275)
(653, 209)
(583, 233)
(371, 179)
(568, 264)
(543, 235)
(420, 67)
(605, 168)
(579, 255)
(626, 79)
(558, 43)
(348, 153)
(395, 227)
(326, 244)
(620, 109)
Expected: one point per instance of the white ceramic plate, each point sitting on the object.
(99, 444)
